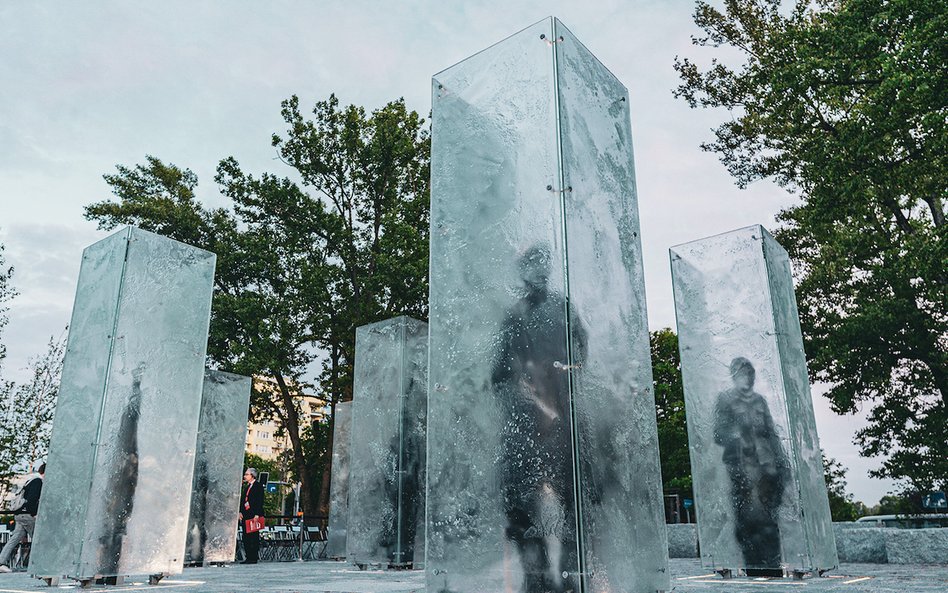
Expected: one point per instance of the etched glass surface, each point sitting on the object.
(748, 405)
(807, 457)
(129, 494)
(387, 451)
(218, 467)
(60, 523)
(339, 487)
(623, 526)
(537, 394)
(413, 431)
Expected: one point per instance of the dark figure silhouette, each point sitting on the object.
(531, 381)
(122, 481)
(404, 487)
(210, 508)
(197, 534)
(757, 467)
(412, 466)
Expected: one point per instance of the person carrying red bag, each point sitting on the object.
(251, 509)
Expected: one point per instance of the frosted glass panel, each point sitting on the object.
(387, 453)
(130, 396)
(751, 430)
(339, 488)
(60, 524)
(623, 516)
(537, 391)
(807, 460)
(218, 468)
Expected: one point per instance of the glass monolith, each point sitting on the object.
(218, 467)
(543, 456)
(339, 486)
(759, 489)
(385, 523)
(121, 457)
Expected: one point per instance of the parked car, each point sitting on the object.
(905, 521)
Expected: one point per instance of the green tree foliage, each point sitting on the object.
(842, 505)
(26, 413)
(301, 265)
(670, 411)
(893, 504)
(7, 292)
(317, 442)
(844, 103)
(26, 408)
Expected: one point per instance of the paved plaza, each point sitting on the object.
(339, 577)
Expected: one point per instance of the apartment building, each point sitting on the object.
(262, 439)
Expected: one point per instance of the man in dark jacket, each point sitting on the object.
(251, 507)
(25, 517)
(531, 383)
(757, 466)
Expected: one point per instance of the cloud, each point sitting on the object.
(89, 85)
(46, 260)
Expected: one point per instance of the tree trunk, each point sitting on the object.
(937, 210)
(326, 481)
(292, 426)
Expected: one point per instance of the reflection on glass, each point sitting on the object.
(543, 469)
(755, 463)
(122, 481)
(532, 387)
(121, 455)
(218, 466)
(387, 445)
(339, 487)
(758, 480)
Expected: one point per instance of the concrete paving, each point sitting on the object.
(338, 577)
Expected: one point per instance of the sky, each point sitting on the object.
(86, 86)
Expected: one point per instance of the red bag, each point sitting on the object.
(254, 525)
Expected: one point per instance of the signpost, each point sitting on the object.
(935, 500)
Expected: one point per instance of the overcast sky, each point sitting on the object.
(85, 86)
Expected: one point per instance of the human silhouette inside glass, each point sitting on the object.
(122, 481)
(404, 487)
(757, 467)
(530, 378)
(211, 508)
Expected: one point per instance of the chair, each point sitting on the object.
(315, 542)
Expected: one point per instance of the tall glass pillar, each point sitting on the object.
(759, 490)
(121, 457)
(339, 487)
(387, 451)
(543, 470)
(218, 468)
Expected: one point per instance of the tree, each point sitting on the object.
(26, 409)
(892, 504)
(301, 266)
(316, 440)
(670, 411)
(844, 104)
(26, 413)
(842, 505)
(369, 175)
(7, 292)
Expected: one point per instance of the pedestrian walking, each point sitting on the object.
(27, 505)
